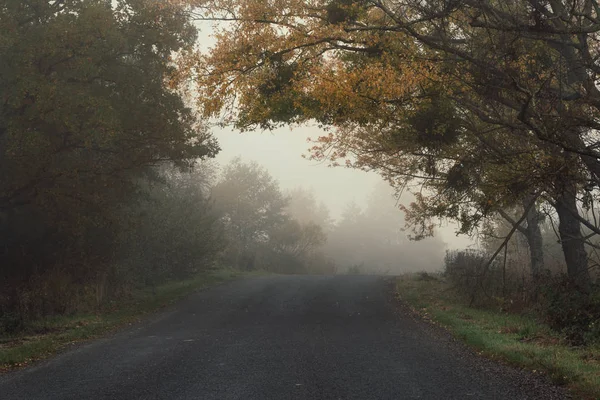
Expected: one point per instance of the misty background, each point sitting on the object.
(281, 152)
(284, 153)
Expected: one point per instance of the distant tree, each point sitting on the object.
(251, 206)
(346, 242)
(304, 207)
(296, 239)
(265, 229)
(293, 247)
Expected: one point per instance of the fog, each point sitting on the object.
(281, 153)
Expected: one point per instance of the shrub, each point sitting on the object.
(10, 323)
(466, 270)
(572, 312)
(497, 284)
(356, 269)
(425, 276)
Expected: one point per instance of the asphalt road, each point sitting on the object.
(277, 338)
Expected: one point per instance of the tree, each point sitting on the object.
(175, 231)
(261, 230)
(86, 112)
(487, 102)
(346, 240)
(294, 246)
(84, 98)
(251, 206)
(528, 70)
(304, 207)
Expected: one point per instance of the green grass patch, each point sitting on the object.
(519, 340)
(45, 337)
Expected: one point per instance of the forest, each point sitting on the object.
(484, 113)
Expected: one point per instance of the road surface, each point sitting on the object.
(282, 337)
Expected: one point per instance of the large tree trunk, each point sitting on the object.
(572, 239)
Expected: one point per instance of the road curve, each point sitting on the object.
(282, 337)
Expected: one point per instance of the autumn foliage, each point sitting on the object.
(484, 104)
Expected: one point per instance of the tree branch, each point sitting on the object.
(511, 221)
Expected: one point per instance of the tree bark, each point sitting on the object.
(533, 234)
(571, 238)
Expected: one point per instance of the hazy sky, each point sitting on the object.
(281, 153)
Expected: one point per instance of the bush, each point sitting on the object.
(496, 284)
(424, 276)
(356, 269)
(10, 323)
(466, 270)
(571, 312)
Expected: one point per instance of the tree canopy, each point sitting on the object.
(84, 100)
(485, 103)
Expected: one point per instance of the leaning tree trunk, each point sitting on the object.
(571, 238)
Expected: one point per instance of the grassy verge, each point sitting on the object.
(45, 337)
(518, 340)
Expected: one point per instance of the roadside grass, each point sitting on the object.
(519, 340)
(47, 336)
